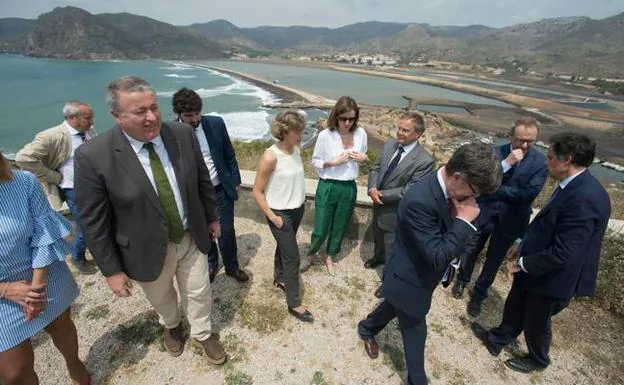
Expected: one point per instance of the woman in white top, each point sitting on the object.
(338, 152)
(279, 191)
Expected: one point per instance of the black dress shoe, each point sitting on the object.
(370, 347)
(458, 289)
(280, 286)
(306, 316)
(482, 334)
(238, 275)
(474, 307)
(373, 263)
(379, 292)
(84, 267)
(524, 364)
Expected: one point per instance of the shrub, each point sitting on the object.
(609, 294)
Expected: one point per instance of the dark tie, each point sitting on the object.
(393, 163)
(165, 195)
(82, 136)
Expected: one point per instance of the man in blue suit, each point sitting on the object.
(558, 256)
(433, 224)
(220, 159)
(505, 213)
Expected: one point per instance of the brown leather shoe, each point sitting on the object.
(174, 340)
(238, 275)
(371, 347)
(213, 351)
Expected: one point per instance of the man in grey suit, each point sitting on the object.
(402, 163)
(149, 212)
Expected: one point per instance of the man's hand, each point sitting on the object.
(512, 252)
(514, 157)
(468, 209)
(215, 229)
(237, 188)
(376, 196)
(337, 161)
(120, 284)
(511, 267)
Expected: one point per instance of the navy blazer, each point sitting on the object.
(561, 247)
(222, 154)
(509, 208)
(426, 242)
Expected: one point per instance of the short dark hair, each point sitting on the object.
(479, 165)
(6, 174)
(579, 148)
(342, 106)
(526, 121)
(125, 84)
(186, 100)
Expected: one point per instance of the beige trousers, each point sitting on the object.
(189, 267)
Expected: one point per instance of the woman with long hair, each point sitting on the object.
(36, 286)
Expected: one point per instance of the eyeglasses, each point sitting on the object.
(346, 119)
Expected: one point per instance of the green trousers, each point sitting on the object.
(333, 207)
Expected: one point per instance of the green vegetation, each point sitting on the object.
(97, 312)
(318, 379)
(609, 294)
(262, 316)
(143, 331)
(607, 86)
(393, 357)
(238, 378)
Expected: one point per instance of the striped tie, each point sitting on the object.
(165, 195)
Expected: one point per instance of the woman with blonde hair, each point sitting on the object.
(279, 191)
(338, 152)
(36, 286)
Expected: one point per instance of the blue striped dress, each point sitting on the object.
(31, 236)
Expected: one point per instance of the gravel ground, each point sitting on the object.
(122, 342)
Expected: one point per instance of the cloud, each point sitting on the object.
(331, 13)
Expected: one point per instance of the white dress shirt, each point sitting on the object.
(143, 156)
(67, 168)
(205, 150)
(329, 146)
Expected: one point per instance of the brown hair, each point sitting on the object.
(526, 121)
(6, 174)
(343, 105)
(286, 121)
(479, 165)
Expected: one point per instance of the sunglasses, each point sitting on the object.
(346, 119)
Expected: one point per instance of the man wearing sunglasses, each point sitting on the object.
(505, 213)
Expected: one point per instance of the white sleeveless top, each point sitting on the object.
(286, 187)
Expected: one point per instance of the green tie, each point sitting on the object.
(165, 195)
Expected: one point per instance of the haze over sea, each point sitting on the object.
(34, 91)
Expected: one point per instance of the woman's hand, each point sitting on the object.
(337, 161)
(277, 221)
(26, 294)
(358, 156)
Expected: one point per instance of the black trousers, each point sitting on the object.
(413, 332)
(286, 263)
(383, 240)
(499, 244)
(530, 313)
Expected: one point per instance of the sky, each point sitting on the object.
(330, 13)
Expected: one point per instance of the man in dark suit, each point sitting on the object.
(149, 211)
(433, 223)
(505, 213)
(402, 163)
(220, 159)
(558, 256)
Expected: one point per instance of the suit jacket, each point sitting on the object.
(415, 165)
(509, 208)
(222, 154)
(123, 221)
(561, 247)
(426, 242)
(44, 155)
